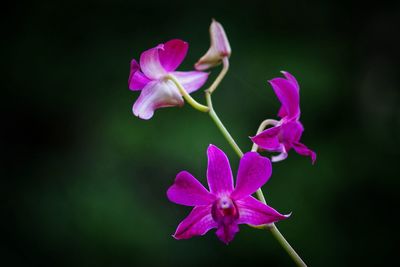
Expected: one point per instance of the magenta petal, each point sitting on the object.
(150, 63)
(254, 212)
(305, 151)
(198, 222)
(288, 95)
(134, 68)
(191, 80)
(291, 78)
(282, 112)
(188, 191)
(156, 95)
(137, 80)
(254, 171)
(268, 139)
(173, 54)
(219, 174)
(226, 233)
(291, 133)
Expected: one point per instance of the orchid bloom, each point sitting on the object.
(287, 132)
(151, 77)
(223, 207)
(219, 48)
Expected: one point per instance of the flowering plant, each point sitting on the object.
(224, 206)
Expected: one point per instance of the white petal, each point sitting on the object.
(156, 94)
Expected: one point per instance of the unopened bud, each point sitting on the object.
(219, 48)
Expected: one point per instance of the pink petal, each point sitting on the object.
(282, 112)
(188, 191)
(226, 232)
(150, 63)
(205, 65)
(288, 95)
(305, 151)
(254, 212)
(291, 133)
(254, 171)
(219, 39)
(268, 139)
(198, 222)
(156, 94)
(219, 174)
(173, 54)
(134, 68)
(291, 78)
(191, 80)
(137, 80)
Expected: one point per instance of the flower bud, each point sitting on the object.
(219, 48)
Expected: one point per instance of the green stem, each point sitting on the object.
(221, 127)
(286, 246)
(186, 96)
(221, 75)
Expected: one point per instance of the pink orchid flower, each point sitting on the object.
(287, 132)
(151, 77)
(223, 207)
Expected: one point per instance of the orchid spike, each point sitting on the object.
(286, 134)
(223, 207)
(151, 77)
(219, 48)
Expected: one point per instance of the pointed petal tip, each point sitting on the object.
(211, 146)
(275, 80)
(272, 82)
(177, 40)
(176, 237)
(313, 159)
(285, 216)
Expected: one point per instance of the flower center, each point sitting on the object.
(224, 210)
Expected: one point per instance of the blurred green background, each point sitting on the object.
(84, 181)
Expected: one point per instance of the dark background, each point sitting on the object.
(84, 181)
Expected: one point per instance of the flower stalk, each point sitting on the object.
(221, 75)
(187, 97)
(221, 127)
